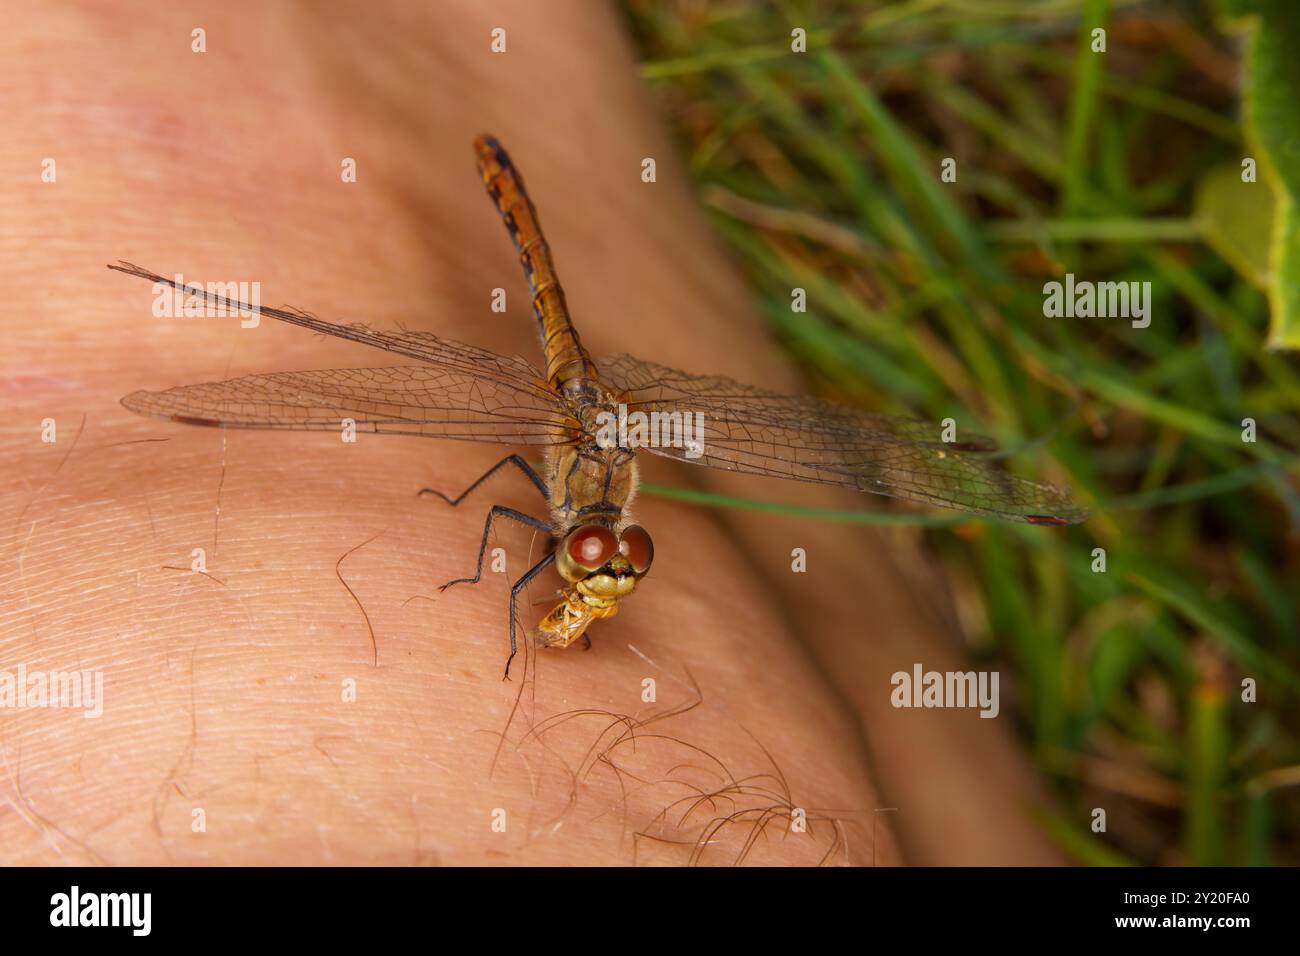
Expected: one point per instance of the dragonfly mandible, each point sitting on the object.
(569, 408)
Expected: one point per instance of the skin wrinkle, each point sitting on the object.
(414, 241)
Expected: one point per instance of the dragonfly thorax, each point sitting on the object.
(589, 484)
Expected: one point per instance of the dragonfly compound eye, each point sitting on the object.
(637, 547)
(591, 546)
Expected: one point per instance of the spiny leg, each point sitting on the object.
(487, 532)
(515, 460)
(518, 586)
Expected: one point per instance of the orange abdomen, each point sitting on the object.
(566, 360)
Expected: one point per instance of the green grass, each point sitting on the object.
(821, 171)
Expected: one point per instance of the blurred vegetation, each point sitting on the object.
(822, 171)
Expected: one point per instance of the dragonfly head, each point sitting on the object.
(603, 565)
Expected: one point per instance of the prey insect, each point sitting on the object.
(589, 478)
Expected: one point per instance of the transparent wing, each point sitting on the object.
(461, 391)
(404, 399)
(425, 346)
(760, 432)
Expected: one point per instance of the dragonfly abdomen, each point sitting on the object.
(566, 359)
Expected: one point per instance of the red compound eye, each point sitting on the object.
(591, 547)
(637, 547)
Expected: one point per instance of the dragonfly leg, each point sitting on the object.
(503, 511)
(518, 586)
(515, 460)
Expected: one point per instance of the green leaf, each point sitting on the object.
(1207, 771)
(1272, 90)
(1236, 219)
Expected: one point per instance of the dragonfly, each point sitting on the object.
(568, 409)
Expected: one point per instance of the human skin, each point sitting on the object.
(227, 692)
